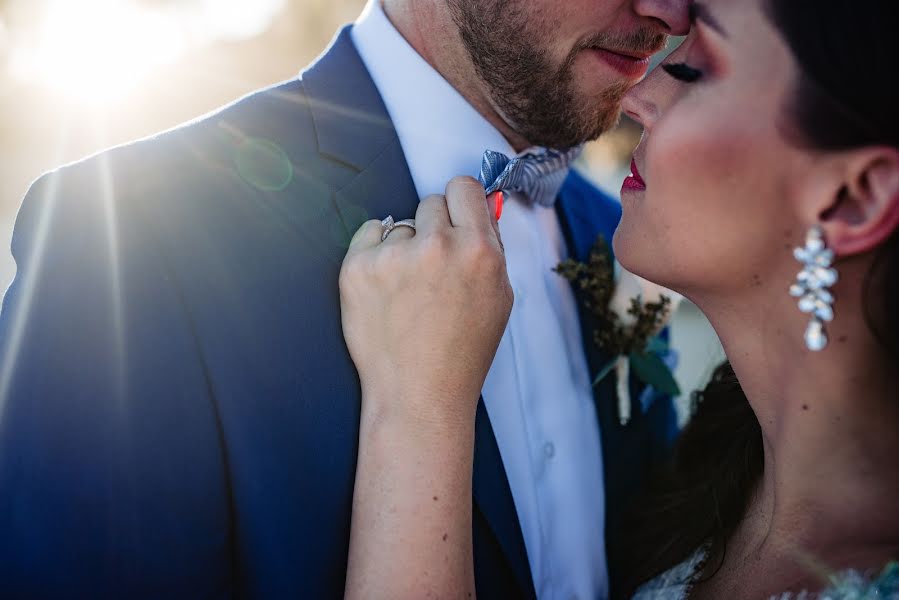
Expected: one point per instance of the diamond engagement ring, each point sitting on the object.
(389, 225)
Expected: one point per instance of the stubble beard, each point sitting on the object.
(539, 100)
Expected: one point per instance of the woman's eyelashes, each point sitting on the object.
(683, 72)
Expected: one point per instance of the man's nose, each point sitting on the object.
(672, 15)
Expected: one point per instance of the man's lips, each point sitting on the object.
(630, 64)
(633, 182)
(636, 55)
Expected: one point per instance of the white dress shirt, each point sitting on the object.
(538, 392)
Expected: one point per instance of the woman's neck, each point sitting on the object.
(830, 424)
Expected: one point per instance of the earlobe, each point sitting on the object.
(865, 213)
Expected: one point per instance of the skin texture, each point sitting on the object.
(730, 190)
(524, 64)
(423, 315)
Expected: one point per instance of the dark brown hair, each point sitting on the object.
(846, 98)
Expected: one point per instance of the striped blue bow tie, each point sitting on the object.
(539, 174)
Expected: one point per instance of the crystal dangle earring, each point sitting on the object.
(812, 285)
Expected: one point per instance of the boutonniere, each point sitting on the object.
(628, 314)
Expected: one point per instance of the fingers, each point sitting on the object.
(400, 234)
(432, 215)
(467, 204)
(470, 208)
(495, 204)
(366, 237)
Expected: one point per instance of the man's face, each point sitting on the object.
(557, 70)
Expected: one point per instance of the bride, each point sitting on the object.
(773, 127)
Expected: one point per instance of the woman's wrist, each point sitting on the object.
(426, 410)
(412, 504)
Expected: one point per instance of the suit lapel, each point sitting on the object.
(584, 214)
(494, 499)
(354, 129)
(583, 218)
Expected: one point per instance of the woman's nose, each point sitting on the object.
(637, 107)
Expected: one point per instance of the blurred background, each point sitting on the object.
(78, 76)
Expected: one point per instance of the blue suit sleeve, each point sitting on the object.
(112, 477)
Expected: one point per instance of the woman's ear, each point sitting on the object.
(865, 211)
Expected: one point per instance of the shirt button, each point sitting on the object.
(520, 295)
(549, 450)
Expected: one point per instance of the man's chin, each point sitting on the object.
(601, 110)
(591, 112)
(600, 122)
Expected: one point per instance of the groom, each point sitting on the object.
(178, 412)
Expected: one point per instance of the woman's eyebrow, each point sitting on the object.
(700, 12)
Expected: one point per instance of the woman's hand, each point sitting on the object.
(424, 311)
(423, 314)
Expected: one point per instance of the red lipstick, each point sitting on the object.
(633, 182)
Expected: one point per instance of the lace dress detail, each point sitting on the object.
(677, 583)
(853, 585)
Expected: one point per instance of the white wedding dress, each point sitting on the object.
(676, 583)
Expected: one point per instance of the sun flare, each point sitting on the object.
(97, 51)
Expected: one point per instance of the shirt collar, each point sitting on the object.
(442, 135)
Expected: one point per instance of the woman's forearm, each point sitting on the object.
(412, 521)
(423, 312)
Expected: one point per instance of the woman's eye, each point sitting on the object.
(683, 72)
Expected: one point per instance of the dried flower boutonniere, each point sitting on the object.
(627, 317)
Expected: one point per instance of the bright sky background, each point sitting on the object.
(97, 51)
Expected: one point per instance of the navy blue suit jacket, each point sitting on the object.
(178, 411)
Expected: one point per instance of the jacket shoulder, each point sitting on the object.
(276, 117)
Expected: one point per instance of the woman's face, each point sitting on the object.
(718, 214)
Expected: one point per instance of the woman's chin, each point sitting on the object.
(626, 249)
(636, 254)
